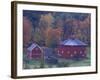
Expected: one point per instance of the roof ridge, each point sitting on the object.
(72, 42)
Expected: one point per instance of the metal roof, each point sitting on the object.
(72, 42)
(33, 46)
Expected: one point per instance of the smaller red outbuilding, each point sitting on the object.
(72, 49)
(34, 51)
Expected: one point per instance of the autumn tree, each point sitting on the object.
(27, 30)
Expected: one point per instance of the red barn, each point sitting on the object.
(72, 49)
(34, 51)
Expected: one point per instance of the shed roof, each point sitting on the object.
(33, 46)
(72, 42)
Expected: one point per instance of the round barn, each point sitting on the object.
(72, 49)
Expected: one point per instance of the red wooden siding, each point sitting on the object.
(71, 51)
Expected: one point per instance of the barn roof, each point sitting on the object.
(72, 42)
(33, 46)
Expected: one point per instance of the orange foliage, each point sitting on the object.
(27, 29)
(51, 33)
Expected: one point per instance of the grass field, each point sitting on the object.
(40, 63)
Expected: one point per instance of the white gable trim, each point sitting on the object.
(33, 46)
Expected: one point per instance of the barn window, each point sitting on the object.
(71, 55)
(62, 51)
(81, 52)
(75, 52)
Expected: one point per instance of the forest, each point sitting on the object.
(49, 28)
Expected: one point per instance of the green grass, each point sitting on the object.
(36, 64)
